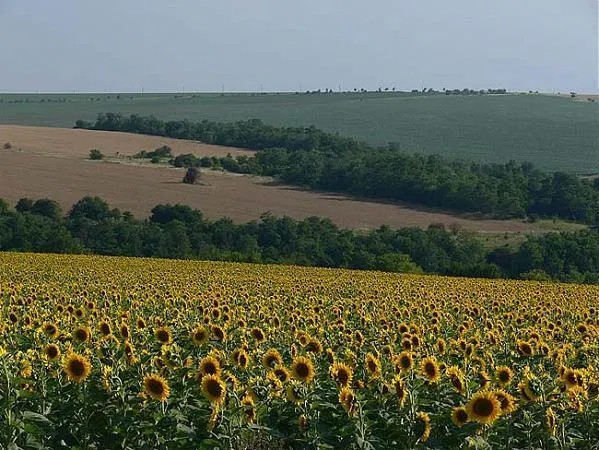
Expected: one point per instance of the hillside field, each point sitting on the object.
(553, 132)
(52, 163)
(102, 352)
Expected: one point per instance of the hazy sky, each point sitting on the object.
(248, 45)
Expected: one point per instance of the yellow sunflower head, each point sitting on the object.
(302, 369)
(483, 408)
(156, 387)
(429, 368)
(77, 367)
(459, 416)
(52, 352)
(342, 374)
(214, 389)
(209, 365)
(272, 358)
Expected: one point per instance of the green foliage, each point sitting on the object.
(95, 154)
(161, 152)
(319, 160)
(177, 231)
(192, 176)
(480, 128)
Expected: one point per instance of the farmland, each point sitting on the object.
(52, 162)
(554, 133)
(139, 353)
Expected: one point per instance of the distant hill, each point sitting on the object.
(553, 132)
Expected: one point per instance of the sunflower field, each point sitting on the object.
(100, 352)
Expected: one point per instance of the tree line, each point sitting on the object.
(319, 160)
(177, 231)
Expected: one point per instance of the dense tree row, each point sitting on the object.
(180, 232)
(319, 160)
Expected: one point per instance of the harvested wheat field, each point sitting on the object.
(76, 142)
(51, 163)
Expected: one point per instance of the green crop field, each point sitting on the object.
(554, 133)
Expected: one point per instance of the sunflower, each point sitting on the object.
(403, 362)
(314, 346)
(242, 360)
(524, 348)
(551, 421)
(210, 366)
(293, 392)
(156, 387)
(214, 389)
(163, 335)
(504, 375)
(459, 416)
(342, 374)
(104, 328)
(429, 368)
(302, 369)
(281, 373)
(347, 398)
(81, 334)
(218, 333)
(124, 330)
(572, 378)
(248, 407)
(272, 358)
(483, 379)
(77, 367)
(258, 335)
(456, 376)
(506, 400)
(400, 390)
(52, 352)
(530, 390)
(423, 421)
(199, 335)
(484, 408)
(373, 365)
(50, 330)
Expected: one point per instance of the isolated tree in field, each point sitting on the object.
(192, 176)
(95, 154)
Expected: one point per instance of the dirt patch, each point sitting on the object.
(139, 188)
(74, 142)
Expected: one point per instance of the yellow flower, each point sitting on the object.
(483, 408)
(272, 358)
(199, 335)
(342, 374)
(423, 421)
(430, 369)
(347, 398)
(302, 369)
(504, 375)
(373, 365)
(214, 389)
(77, 367)
(459, 416)
(210, 366)
(156, 387)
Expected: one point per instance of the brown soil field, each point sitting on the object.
(51, 163)
(75, 142)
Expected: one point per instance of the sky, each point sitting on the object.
(285, 45)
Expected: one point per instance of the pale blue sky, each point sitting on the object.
(248, 45)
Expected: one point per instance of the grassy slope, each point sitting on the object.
(552, 132)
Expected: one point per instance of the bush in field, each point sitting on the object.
(95, 154)
(192, 176)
